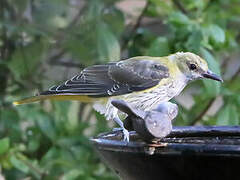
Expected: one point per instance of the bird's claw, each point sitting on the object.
(117, 129)
(125, 134)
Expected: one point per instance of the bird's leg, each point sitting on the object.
(120, 123)
(125, 131)
(112, 113)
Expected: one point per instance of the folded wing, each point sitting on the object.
(113, 79)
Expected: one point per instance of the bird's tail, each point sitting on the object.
(30, 100)
(82, 98)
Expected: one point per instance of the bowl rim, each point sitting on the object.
(168, 146)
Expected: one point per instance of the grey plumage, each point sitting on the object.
(113, 79)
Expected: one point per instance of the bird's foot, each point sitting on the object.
(125, 133)
(117, 129)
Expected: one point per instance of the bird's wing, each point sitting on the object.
(113, 79)
(130, 111)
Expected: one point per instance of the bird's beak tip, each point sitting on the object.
(210, 75)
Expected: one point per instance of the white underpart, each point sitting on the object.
(148, 101)
(99, 107)
(145, 101)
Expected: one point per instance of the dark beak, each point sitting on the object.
(210, 75)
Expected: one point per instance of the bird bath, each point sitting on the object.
(189, 152)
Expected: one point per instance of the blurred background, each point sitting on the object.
(45, 42)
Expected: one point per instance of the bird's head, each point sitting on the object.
(194, 67)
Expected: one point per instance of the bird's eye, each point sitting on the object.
(159, 67)
(156, 66)
(192, 67)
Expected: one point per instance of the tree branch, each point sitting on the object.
(201, 114)
(135, 27)
(53, 60)
(178, 4)
(33, 168)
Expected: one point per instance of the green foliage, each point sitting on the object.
(108, 46)
(159, 47)
(212, 88)
(49, 140)
(4, 145)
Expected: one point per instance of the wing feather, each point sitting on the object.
(113, 79)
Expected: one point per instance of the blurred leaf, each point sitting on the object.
(46, 125)
(142, 39)
(48, 13)
(25, 60)
(212, 87)
(72, 175)
(10, 124)
(223, 116)
(33, 145)
(101, 123)
(159, 47)
(157, 7)
(179, 18)
(198, 4)
(4, 145)
(72, 141)
(9, 114)
(108, 46)
(115, 19)
(228, 116)
(21, 5)
(61, 109)
(19, 164)
(78, 45)
(95, 9)
(194, 41)
(216, 33)
(233, 115)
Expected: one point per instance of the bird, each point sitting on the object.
(149, 125)
(143, 82)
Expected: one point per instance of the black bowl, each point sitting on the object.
(190, 153)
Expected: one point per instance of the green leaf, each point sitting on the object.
(228, 116)
(159, 47)
(33, 145)
(48, 11)
(197, 4)
(4, 145)
(107, 43)
(216, 33)
(46, 125)
(19, 164)
(9, 113)
(20, 5)
(25, 59)
(101, 123)
(115, 19)
(223, 116)
(194, 41)
(95, 9)
(72, 175)
(178, 18)
(233, 115)
(212, 87)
